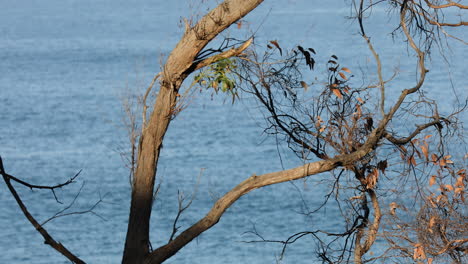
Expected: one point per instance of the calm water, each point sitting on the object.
(64, 67)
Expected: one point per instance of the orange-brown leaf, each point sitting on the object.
(428, 136)
(440, 197)
(274, 42)
(459, 182)
(304, 85)
(442, 162)
(432, 221)
(462, 172)
(449, 187)
(372, 179)
(403, 149)
(214, 84)
(346, 70)
(447, 159)
(393, 207)
(358, 111)
(342, 75)
(419, 252)
(432, 180)
(425, 152)
(337, 93)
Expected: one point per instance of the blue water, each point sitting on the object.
(65, 67)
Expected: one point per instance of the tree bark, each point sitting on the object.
(178, 66)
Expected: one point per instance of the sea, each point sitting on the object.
(69, 68)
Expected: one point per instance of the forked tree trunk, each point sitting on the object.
(137, 241)
(178, 66)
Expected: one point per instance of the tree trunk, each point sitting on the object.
(137, 242)
(179, 65)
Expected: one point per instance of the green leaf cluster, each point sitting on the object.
(219, 76)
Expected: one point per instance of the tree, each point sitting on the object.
(339, 132)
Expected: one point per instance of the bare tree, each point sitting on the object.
(337, 131)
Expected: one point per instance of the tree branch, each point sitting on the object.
(255, 182)
(405, 140)
(449, 4)
(48, 239)
(224, 55)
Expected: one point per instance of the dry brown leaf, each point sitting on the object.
(432, 180)
(343, 75)
(461, 172)
(442, 162)
(403, 149)
(393, 207)
(459, 182)
(425, 152)
(304, 85)
(432, 221)
(440, 197)
(346, 70)
(447, 159)
(449, 187)
(419, 252)
(274, 42)
(359, 111)
(372, 178)
(337, 93)
(346, 89)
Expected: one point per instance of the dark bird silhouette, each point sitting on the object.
(369, 124)
(309, 60)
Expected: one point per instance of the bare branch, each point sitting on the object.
(62, 213)
(417, 131)
(48, 239)
(255, 182)
(449, 4)
(145, 107)
(46, 187)
(224, 55)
